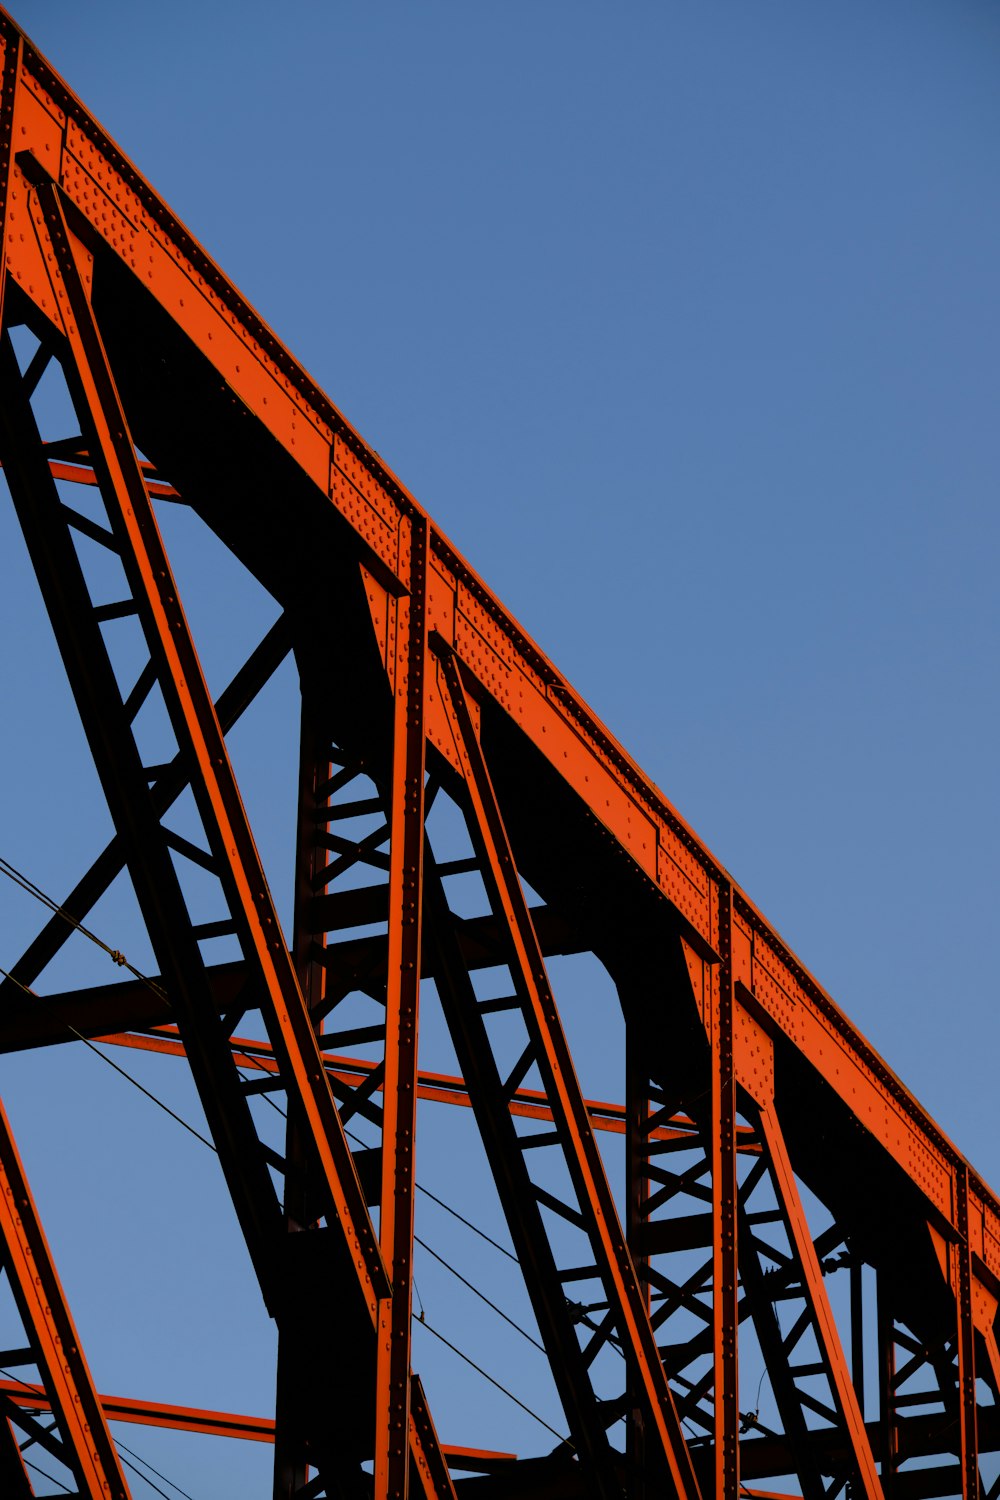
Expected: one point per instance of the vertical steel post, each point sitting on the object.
(889, 1441)
(961, 1255)
(725, 1287)
(290, 1465)
(200, 739)
(637, 1191)
(199, 735)
(402, 1019)
(858, 1330)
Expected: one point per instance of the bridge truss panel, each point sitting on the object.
(751, 1108)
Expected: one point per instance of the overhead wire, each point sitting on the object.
(248, 1058)
(22, 880)
(468, 1223)
(172, 1483)
(112, 1064)
(146, 1480)
(115, 954)
(28, 885)
(9, 1375)
(421, 1318)
(481, 1295)
(50, 1477)
(486, 1376)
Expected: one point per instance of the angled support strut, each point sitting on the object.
(626, 1309)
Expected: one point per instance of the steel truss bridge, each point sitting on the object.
(747, 1097)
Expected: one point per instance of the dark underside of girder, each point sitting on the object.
(781, 1194)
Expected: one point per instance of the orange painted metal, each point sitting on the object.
(961, 1258)
(399, 1126)
(744, 1027)
(90, 1452)
(829, 1338)
(438, 1088)
(725, 1274)
(211, 1423)
(198, 729)
(556, 1065)
(10, 69)
(125, 218)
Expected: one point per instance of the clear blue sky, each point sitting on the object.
(682, 321)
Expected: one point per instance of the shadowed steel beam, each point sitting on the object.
(195, 363)
(406, 825)
(515, 1190)
(116, 757)
(14, 1481)
(233, 701)
(626, 1304)
(217, 1423)
(826, 1328)
(725, 1281)
(199, 735)
(966, 1341)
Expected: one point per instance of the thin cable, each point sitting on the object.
(760, 1387)
(119, 958)
(115, 954)
(448, 1209)
(19, 878)
(481, 1295)
(145, 1478)
(246, 1057)
(468, 1223)
(8, 1375)
(510, 1394)
(112, 1064)
(173, 1486)
(50, 1477)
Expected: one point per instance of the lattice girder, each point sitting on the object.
(416, 683)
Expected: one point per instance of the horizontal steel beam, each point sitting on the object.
(221, 1423)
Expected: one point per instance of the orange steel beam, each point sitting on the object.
(199, 733)
(213, 1423)
(725, 1273)
(961, 1259)
(829, 1339)
(128, 222)
(439, 1088)
(77, 474)
(90, 1452)
(194, 718)
(231, 704)
(402, 1011)
(218, 1423)
(79, 221)
(625, 1302)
